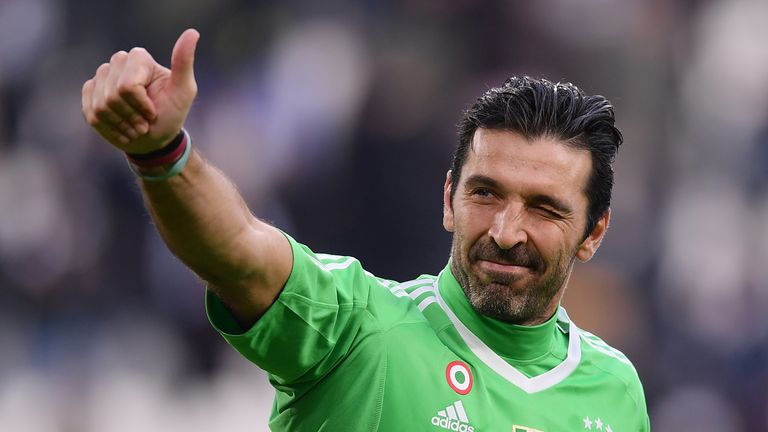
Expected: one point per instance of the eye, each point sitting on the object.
(481, 192)
(548, 213)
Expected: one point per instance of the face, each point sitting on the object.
(518, 218)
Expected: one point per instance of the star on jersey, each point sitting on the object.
(598, 423)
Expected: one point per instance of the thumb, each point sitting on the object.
(183, 59)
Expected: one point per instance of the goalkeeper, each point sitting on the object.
(482, 346)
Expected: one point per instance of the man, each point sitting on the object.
(483, 346)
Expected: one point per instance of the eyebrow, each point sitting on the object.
(548, 200)
(482, 180)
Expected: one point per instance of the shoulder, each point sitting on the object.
(348, 267)
(419, 289)
(598, 354)
(414, 294)
(603, 353)
(599, 358)
(403, 303)
(314, 268)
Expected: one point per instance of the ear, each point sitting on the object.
(590, 244)
(447, 207)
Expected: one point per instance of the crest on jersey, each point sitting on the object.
(459, 377)
(517, 428)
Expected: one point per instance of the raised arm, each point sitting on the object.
(139, 107)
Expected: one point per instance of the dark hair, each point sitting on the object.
(538, 108)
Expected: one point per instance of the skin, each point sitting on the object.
(510, 254)
(139, 106)
(518, 219)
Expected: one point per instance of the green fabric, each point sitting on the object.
(347, 351)
(536, 349)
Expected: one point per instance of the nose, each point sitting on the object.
(507, 229)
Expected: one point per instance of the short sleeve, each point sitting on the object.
(311, 325)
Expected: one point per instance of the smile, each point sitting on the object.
(496, 267)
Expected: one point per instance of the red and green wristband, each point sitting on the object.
(164, 163)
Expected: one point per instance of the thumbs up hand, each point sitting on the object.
(138, 105)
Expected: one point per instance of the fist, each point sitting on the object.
(138, 105)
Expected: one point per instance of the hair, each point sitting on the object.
(537, 108)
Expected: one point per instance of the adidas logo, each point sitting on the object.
(453, 418)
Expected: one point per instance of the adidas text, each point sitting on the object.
(453, 425)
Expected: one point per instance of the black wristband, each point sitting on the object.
(168, 149)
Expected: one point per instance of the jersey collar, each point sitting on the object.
(515, 342)
(489, 339)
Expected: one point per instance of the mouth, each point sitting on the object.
(503, 268)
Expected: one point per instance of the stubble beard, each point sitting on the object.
(508, 298)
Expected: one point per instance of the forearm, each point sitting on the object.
(206, 223)
(202, 217)
(139, 106)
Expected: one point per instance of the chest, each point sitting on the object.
(432, 386)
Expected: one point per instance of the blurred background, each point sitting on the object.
(337, 121)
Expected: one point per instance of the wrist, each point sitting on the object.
(163, 163)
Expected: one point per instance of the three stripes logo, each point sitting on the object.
(453, 418)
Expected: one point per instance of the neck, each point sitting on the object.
(523, 341)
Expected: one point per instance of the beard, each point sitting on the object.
(526, 299)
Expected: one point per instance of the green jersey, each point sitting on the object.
(347, 351)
